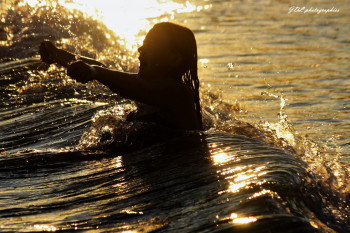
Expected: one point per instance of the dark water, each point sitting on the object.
(69, 162)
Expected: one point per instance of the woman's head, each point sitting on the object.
(170, 51)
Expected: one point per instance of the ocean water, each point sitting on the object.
(275, 155)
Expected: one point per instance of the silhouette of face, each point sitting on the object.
(156, 56)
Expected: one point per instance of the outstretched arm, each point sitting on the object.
(51, 54)
(160, 92)
(64, 58)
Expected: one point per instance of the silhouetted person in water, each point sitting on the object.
(167, 82)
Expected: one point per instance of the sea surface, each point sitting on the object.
(275, 152)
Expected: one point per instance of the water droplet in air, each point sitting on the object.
(230, 66)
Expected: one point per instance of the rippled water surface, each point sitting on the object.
(275, 91)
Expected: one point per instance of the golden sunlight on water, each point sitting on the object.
(243, 220)
(125, 17)
(220, 158)
(240, 220)
(45, 228)
(240, 177)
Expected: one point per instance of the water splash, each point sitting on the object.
(282, 129)
(220, 114)
(322, 160)
(126, 18)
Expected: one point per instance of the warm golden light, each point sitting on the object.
(244, 177)
(129, 231)
(43, 227)
(242, 220)
(118, 162)
(263, 192)
(220, 158)
(228, 171)
(314, 224)
(204, 62)
(241, 179)
(235, 187)
(127, 17)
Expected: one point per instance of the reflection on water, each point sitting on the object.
(221, 157)
(270, 69)
(244, 220)
(173, 186)
(45, 228)
(250, 50)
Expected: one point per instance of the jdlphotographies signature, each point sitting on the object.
(310, 9)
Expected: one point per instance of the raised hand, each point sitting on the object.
(48, 52)
(81, 72)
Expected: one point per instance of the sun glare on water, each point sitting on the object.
(126, 17)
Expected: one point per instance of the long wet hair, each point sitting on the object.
(183, 41)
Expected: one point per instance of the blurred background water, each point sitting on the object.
(267, 74)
